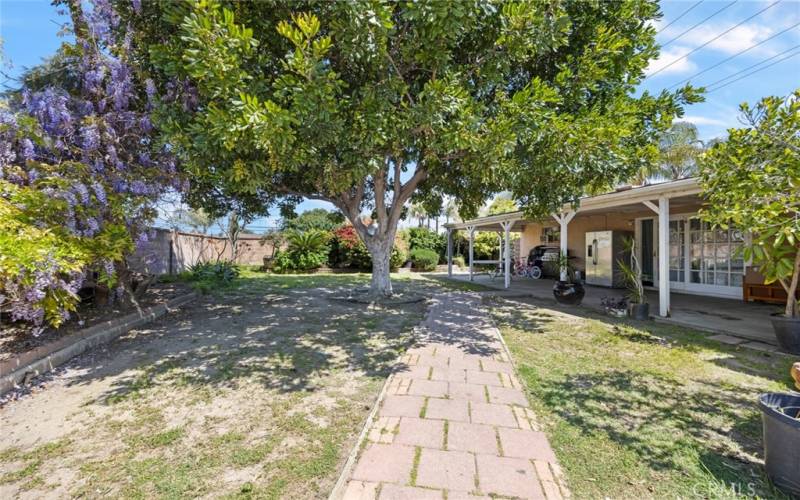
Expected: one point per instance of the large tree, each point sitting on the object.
(752, 181)
(369, 103)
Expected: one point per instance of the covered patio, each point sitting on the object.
(693, 273)
(719, 316)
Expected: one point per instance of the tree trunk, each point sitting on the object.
(791, 300)
(381, 284)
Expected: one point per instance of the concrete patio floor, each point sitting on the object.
(719, 316)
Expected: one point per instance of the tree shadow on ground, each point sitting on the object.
(462, 324)
(534, 316)
(662, 421)
(284, 338)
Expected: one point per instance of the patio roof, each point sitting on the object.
(683, 188)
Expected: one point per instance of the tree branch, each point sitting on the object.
(380, 196)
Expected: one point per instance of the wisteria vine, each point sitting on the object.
(80, 172)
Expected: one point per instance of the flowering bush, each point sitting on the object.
(80, 173)
(347, 250)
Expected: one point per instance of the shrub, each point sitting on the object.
(459, 261)
(221, 272)
(348, 251)
(424, 259)
(420, 237)
(307, 250)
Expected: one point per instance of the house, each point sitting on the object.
(678, 252)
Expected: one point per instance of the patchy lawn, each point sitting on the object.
(643, 410)
(259, 391)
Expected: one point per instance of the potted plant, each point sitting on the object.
(638, 308)
(752, 181)
(567, 290)
(615, 306)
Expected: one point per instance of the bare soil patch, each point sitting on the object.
(17, 338)
(257, 391)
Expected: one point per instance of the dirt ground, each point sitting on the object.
(16, 338)
(259, 390)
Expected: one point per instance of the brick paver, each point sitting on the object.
(454, 422)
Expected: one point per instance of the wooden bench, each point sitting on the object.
(756, 290)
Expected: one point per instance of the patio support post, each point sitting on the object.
(471, 230)
(663, 257)
(500, 251)
(449, 253)
(563, 220)
(507, 259)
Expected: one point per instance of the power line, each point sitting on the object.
(735, 55)
(773, 4)
(752, 72)
(679, 17)
(732, 75)
(701, 22)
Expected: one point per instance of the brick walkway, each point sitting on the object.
(454, 422)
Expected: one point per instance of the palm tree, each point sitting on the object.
(678, 150)
(451, 211)
(418, 212)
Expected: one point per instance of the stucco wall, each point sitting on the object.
(581, 224)
(190, 248)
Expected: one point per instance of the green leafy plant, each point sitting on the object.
(632, 272)
(420, 237)
(458, 260)
(751, 181)
(221, 272)
(424, 259)
(306, 251)
(562, 262)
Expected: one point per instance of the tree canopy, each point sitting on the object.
(752, 181)
(317, 219)
(368, 103)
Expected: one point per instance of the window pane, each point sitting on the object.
(722, 258)
(709, 278)
(696, 236)
(721, 235)
(696, 256)
(722, 279)
(708, 256)
(737, 265)
(736, 279)
(694, 223)
(695, 276)
(737, 235)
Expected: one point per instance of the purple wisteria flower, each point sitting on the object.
(28, 151)
(99, 193)
(104, 125)
(90, 138)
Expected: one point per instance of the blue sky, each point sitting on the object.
(29, 29)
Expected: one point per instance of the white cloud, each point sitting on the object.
(705, 120)
(736, 40)
(668, 62)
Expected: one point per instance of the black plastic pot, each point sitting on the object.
(780, 413)
(787, 331)
(639, 311)
(568, 293)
